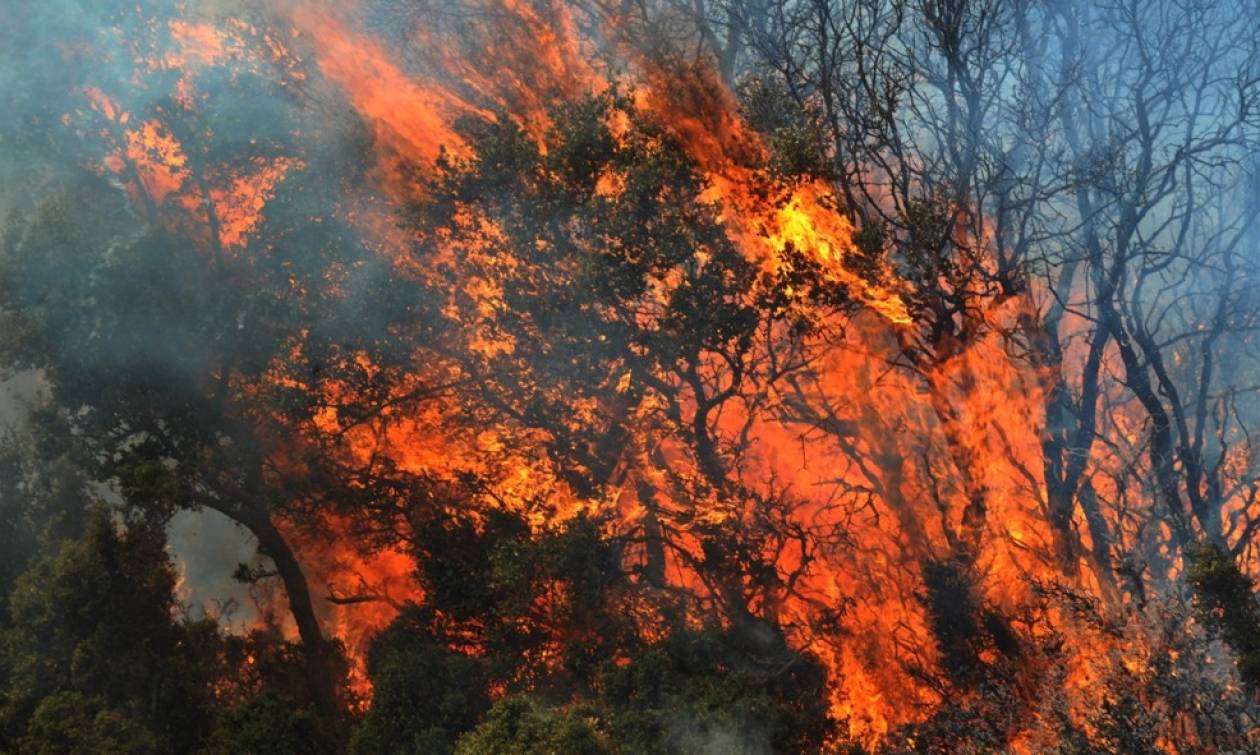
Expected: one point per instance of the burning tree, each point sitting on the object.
(745, 376)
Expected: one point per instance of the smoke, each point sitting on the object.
(707, 736)
(206, 548)
(18, 395)
(70, 72)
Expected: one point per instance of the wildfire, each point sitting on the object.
(921, 450)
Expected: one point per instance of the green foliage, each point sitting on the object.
(870, 244)
(521, 725)
(17, 530)
(1227, 603)
(92, 632)
(793, 129)
(545, 615)
(97, 662)
(925, 251)
(69, 723)
(700, 690)
(268, 725)
(423, 695)
(518, 592)
(262, 662)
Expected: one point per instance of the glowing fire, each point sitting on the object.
(920, 451)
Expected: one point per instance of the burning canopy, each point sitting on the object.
(908, 349)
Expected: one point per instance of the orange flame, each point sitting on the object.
(918, 451)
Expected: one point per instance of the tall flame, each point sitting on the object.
(918, 450)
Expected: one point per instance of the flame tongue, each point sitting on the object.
(804, 222)
(920, 455)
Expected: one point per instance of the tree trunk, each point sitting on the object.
(319, 656)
